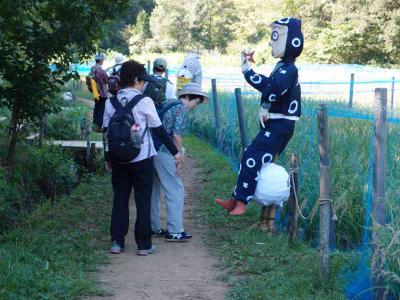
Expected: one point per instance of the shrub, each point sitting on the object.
(65, 125)
(8, 193)
(46, 171)
(41, 173)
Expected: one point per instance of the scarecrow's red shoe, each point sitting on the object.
(229, 204)
(239, 209)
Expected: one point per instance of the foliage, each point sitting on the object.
(8, 212)
(35, 34)
(139, 34)
(40, 173)
(257, 266)
(55, 249)
(349, 191)
(169, 23)
(343, 31)
(46, 171)
(212, 27)
(65, 125)
(116, 30)
(362, 32)
(351, 170)
(389, 248)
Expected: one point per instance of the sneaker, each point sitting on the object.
(177, 237)
(158, 232)
(146, 252)
(115, 248)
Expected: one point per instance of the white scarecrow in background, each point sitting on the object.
(190, 71)
(280, 108)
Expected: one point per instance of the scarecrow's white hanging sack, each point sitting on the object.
(273, 186)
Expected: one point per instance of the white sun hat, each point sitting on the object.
(193, 89)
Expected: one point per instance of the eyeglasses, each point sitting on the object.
(198, 99)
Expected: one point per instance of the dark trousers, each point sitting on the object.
(269, 142)
(98, 112)
(138, 175)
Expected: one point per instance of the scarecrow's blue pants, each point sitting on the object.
(269, 142)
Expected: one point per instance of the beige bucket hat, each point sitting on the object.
(193, 89)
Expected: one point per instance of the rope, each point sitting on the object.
(320, 201)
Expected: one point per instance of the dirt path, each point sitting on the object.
(176, 271)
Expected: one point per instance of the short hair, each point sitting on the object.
(130, 70)
(158, 70)
(98, 60)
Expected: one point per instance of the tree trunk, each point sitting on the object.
(14, 130)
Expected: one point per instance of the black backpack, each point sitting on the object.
(123, 148)
(156, 90)
(113, 79)
(113, 84)
(161, 110)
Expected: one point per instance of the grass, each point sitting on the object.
(258, 266)
(351, 156)
(54, 250)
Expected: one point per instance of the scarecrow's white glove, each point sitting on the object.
(263, 116)
(245, 62)
(183, 151)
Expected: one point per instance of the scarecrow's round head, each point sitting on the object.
(286, 38)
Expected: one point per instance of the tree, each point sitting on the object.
(169, 24)
(212, 23)
(115, 30)
(138, 35)
(35, 34)
(348, 31)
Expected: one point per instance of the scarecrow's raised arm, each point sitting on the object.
(257, 81)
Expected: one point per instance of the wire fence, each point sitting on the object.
(351, 135)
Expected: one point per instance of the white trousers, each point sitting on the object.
(166, 180)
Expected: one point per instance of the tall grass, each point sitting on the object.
(351, 155)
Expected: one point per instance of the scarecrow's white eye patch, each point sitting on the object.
(296, 42)
(267, 158)
(293, 106)
(251, 163)
(256, 79)
(284, 21)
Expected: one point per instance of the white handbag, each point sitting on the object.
(273, 186)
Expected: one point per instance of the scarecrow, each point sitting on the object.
(280, 108)
(190, 71)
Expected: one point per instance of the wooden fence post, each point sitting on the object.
(294, 193)
(87, 138)
(242, 126)
(148, 67)
(379, 182)
(351, 90)
(392, 95)
(42, 130)
(325, 217)
(216, 112)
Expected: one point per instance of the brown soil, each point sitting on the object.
(176, 271)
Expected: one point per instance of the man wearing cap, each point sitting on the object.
(174, 121)
(102, 81)
(159, 69)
